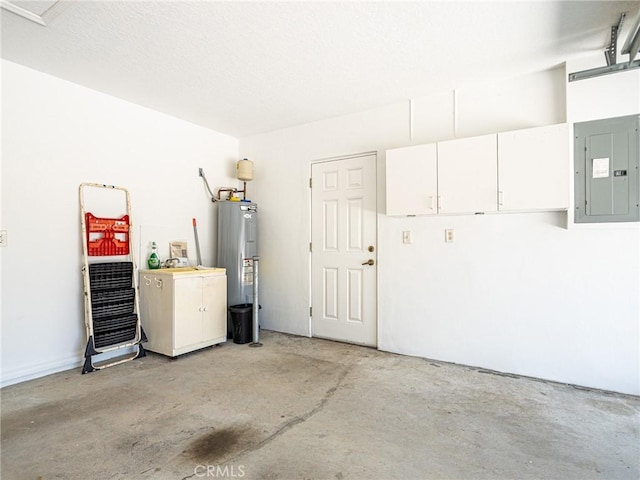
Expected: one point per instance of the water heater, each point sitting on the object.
(237, 245)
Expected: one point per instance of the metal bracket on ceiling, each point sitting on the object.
(631, 47)
(611, 53)
(599, 71)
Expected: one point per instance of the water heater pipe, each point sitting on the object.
(233, 190)
(256, 305)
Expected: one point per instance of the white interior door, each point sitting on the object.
(343, 253)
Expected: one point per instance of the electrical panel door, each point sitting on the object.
(607, 182)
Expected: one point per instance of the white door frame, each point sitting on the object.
(310, 232)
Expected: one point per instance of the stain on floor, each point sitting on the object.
(220, 443)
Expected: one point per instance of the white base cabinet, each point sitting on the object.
(183, 311)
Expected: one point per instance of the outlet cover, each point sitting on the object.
(449, 235)
(406, 237)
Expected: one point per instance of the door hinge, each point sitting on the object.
(310, 182)
(311, 311)
(310, 247)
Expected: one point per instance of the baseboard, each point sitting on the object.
(30, 372)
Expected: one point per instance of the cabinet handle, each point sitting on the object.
(500, 198)
(433, 203)
(147, 280)
(158, 283)
(439, 203)
(204, 309)
(200, 309)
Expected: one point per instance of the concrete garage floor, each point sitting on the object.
(302, 408)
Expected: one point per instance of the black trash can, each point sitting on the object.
(242, 321)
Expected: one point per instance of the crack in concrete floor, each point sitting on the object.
(308, 408)
(287, 425)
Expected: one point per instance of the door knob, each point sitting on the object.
(369, 262)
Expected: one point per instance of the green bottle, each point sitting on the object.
(154, 261)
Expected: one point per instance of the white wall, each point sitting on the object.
(56, 135)
(518, 293)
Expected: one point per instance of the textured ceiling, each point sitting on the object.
(247, 67)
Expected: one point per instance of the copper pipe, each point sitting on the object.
(235, 190)
(231, 190)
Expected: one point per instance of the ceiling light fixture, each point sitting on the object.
(48, 10)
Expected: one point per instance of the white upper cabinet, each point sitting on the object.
(468, 175)
(534, 169)
(412, 180)
(518, 171)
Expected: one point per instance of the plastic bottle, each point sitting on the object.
(154, 260)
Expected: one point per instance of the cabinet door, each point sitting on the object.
(533, 166)
(188, 311)
(148, 299)
(468, 175)
(412, 185)
(214, 305)
(156, 311)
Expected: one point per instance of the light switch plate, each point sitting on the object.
(406, 237)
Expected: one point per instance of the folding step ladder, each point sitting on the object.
(111, 307)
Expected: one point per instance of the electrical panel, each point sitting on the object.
(606, 161)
